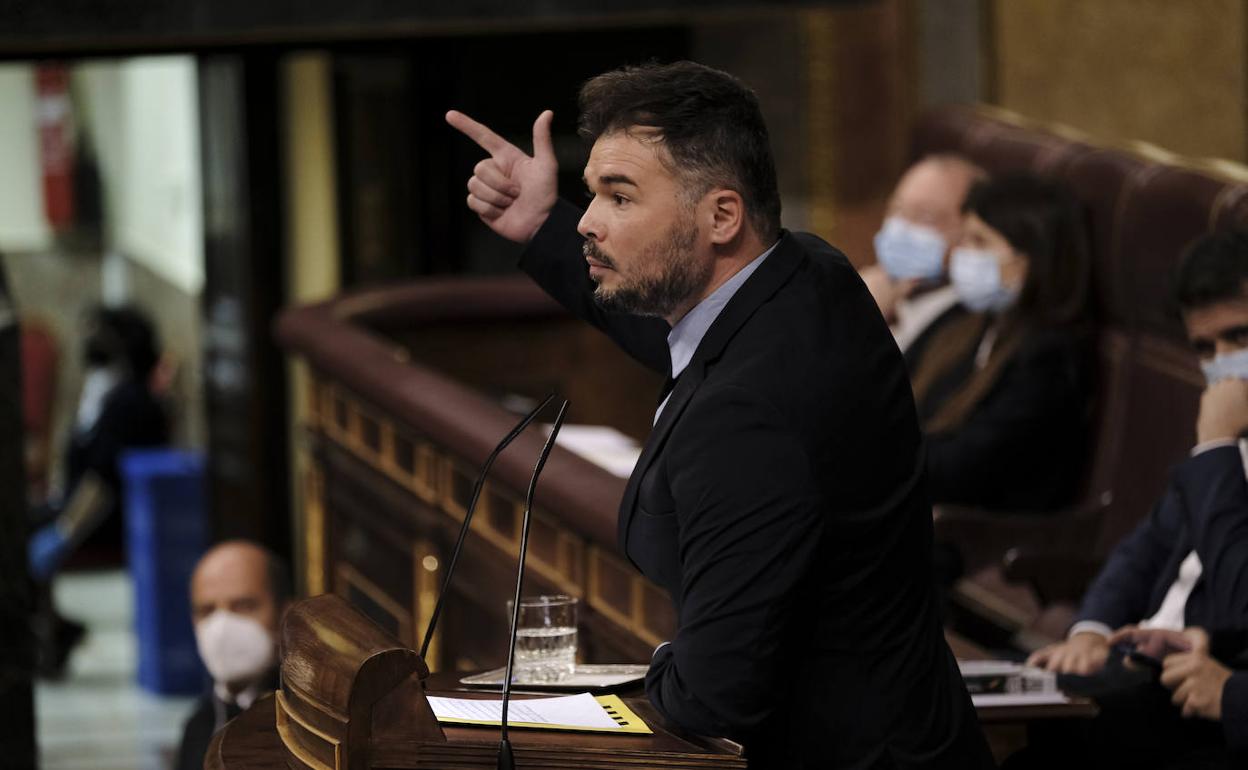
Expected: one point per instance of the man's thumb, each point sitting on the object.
(543, 147)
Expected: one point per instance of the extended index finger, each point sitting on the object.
(478, 132)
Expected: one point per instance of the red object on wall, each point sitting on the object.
(56, 143)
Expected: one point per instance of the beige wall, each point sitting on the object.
(143, 117)
(139, 115)
(1164, 71)
(312, 261)
(23, 226)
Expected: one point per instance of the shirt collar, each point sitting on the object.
(687, 334)
(244, 699)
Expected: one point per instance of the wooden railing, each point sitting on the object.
(400, 417)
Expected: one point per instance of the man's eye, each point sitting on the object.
(620, 200)
(1237, 336)
(1204, 348)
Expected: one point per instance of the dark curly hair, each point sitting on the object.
(709, 122)
(126, 332)
(1213, 269)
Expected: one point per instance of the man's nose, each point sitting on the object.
(589, 226)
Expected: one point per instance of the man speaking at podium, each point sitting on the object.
(780, 498)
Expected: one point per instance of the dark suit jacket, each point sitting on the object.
(1023, 447)
(210, 715)
(780, 502)
(1204, 508)
(915, 352)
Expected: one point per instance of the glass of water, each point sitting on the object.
(545, 639)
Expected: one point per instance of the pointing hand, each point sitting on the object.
(510, 191)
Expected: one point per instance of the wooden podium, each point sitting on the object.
(352, 697)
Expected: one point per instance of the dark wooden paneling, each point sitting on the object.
(244, 374)
(74, 27)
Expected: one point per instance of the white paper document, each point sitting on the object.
(580, 711)
(990, 668)
(1018, 699)
(605, 447)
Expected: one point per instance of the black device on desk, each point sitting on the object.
(1131, 653)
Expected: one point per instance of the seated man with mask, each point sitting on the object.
(1187, 563)
(923, 223)
(239, 593)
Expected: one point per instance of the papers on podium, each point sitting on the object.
(605, 713)
(1002, 683)
(605, 447)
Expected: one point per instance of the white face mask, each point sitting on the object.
(235, 648)
(906, 250)
(976, 276)
(1226, 366)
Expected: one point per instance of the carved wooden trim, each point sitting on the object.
(564, 560)
(295, 734)
(350, 576)
(426, 581)
(314, 529)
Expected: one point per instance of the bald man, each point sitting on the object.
(923, 223)
(239, 592)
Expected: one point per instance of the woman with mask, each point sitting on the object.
(1004, 391)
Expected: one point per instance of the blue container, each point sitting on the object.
(166, 533)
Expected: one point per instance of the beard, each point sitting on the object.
(665, 275)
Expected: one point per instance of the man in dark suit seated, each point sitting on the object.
(1187, 563)
(239, 593)
(780, 497)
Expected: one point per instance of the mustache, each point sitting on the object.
(590, 249)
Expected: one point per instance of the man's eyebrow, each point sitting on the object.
(616, 179)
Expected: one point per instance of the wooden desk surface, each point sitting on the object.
(250, 742)
(1077, 708)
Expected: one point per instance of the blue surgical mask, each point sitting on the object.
(976, 276)
(906, 250)
(1226, 366)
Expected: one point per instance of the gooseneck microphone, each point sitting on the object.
(472, 507)
(505, 759)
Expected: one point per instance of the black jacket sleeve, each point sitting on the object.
(745, 545)
(1235, 711)
(554, 259)
(1215, 497)
(1120, 594)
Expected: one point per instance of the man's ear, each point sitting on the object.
(726, 214)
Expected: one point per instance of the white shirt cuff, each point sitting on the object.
(1091, 626)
